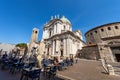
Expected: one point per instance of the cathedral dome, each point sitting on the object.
(64, 19)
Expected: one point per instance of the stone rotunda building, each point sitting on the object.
(103, 42)
(58, 38)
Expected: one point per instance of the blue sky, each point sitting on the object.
(19, 17)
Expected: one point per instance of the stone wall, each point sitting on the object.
(90, 52)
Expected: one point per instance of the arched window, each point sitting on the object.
(116, 27)
(89, 42)
(36, 32)
(61, 40)
(109, 28)
(64, 27)
(95, 31)
(50, 34)
(88, 35)
(102, 30)
(91, 34)
(55, 46)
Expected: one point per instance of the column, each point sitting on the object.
(57, 45)
(68, 47)
(53, 48)
(64, 47)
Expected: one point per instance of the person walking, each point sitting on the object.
(76, 60)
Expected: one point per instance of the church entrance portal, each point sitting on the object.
(117, 57)
(116, 53)
(48, 51)
(62, 52)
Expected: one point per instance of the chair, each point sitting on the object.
(52, 72)
(64, 66)
(46, 69)
(35, 74)
(5, 63)
(20, 66)
(60, 66)
(24, 73)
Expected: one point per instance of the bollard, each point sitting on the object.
(110, 70)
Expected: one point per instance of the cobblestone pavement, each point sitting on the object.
(87, 70)
(83, 70)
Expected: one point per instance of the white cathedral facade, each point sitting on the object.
(58, 37)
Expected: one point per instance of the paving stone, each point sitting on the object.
(87, 70)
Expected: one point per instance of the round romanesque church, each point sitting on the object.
(103, 42)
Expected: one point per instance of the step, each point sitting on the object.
(117, 73)
(116, 69)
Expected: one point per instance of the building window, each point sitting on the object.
(91, 34)
(61, 40)
(95, 31)
(73, 41)
(36, 32)
(88, 35)
(116, 27)
(64, 27)
(109, 28)
(102, 30)
(89, 42)
(50, 34)
(55, 46)
(56, 27)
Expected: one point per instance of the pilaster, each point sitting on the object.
(53, 48)
(64, 47)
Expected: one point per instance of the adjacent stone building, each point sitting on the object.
(103, 42)
(4, 47)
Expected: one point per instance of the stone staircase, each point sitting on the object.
(116, 67)
(117, 70)
(112, 68)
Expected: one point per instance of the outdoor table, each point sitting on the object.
(4, 63)
(12, 70)
(47, 69)
(26, 72)
(30, 63)
(32, 69)
(50, 65)
(52, 70)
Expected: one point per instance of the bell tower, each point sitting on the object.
(34, 35)
(33, 39)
